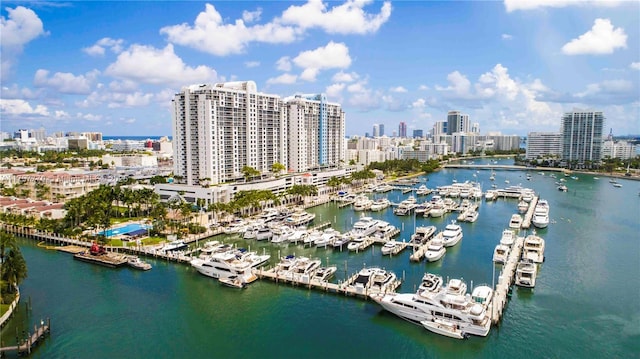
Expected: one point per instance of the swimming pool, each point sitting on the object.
(131, 227)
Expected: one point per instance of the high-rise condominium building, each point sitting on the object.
(219, 129)
(417, 134)
(316, 132)
(457, 122)
(376, 130)
(582, 137)
(381, 126)
(402, 130)
(439, 128)
(543, 144)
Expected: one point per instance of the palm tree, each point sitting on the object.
(14, 267)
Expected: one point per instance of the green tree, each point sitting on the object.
(249, 172)
(277, 168)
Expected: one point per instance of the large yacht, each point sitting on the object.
(508, 237)
(373, 280)
(501, 253)
(364, 227)
(516, 221)
(385, 230)
(423, 190)
(379, 204)
(303, 269)
(362, 203)
(526, 273)
(437, 207)
(433, 301)
(435, 250)
(533, 248)
(300, 218)
(326, 239)
(541, 214)
(230, 263)
(423, 234)
(405, 207)
(452, 234)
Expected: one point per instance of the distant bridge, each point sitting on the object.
(501, 167)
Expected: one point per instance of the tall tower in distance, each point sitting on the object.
(582, 137)
(457, 122)
(402, 130)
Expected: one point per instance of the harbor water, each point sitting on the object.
(586, 302)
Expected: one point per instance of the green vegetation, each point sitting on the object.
(14, 267)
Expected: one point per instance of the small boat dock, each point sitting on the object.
(24, 347)
(110, 259)
(343, 288)
(526, 223)
(421, 249)
(505, 279)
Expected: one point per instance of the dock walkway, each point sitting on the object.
(526, 223)
(505, 280)
(32, 340)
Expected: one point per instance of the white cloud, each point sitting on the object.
(345, 77)
(507, 37)
(459, 85)
(251, 16)
(136, 99)
(419, 103)
(161, 66)
(89, 117)
(21, 107)
(334, 91)
(423, 87)
(513, 5)
(211, 34)
(123, 86)
(333, 55)
(15, 92)
(348, 18)
(98, 49)
(284, 63)
(250, 64)
(22, 26)
(65, 82)
(635, 66)
(398, 89)
(283, 79)
(601, 39)
(362, 97)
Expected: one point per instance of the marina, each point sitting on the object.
(471, 259)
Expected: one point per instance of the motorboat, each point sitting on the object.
(174, 245)
(444, 327)
(303, 269)
(362, 203)
(527, 196)
(562, 188)
(233, 282)
(341, 240)
(311, 239)
(423, 190)
(137, 263)
(373, 280)
(269, 215)
(299, 218)
(383, 188)
(516, 221)
(490, 195)
(617, 185)
(236, 227)
(324, 273)
(264, 233)
(433, 301)
(471, 216)
(298, 235)
(533, 248)
(523, 206)
(437, 207)
(281, 234)
(541, 214)
(452, 234)
(422, 209)
(379, 205)
(435, 250)
(356, 243)
(390, 247)
(364, 227)
(501, 253)
(423, 234)
(250, 232)
(230, 263)
(405, 207)
(327, 238)
(385, 230)
(508, 237)
(526, 272)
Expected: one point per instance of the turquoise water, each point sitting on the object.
(128, 228)
(586, 302)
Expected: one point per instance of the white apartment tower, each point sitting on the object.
(316, 130)
(582, 136)
(544, 144)
(218, 129)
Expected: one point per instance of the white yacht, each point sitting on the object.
(541, 214)
(523, 206)
(299, 218)
(435, 250)
(250, 232)
(433, 301)
(364, 227)
(500, 254)
(303, 269)
(379, 205)
(298, 235)
(385, 230)
(508, 237)
(137, 263)
(324, 273)
(423, 190)
(452, 234)
(389, 248)
(423, 234)
(422, 209)
(437, 207)
(236, 227)
(263, 233)
(174, 245)
(362, 203)
(356, 243)
(373, 280)
(229, 263)
(269, 215)
(341, 240)
(490, 195)
(526, 272)
(405, 207)
(533, 248)
(516, 221)
(327, 238)
(444, 327)
(385, 187)
(281, 234)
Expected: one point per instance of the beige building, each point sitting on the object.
(53, 186)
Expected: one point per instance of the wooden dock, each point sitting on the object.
(526, 223)
(25, 347)
(501, 292)
(343, 204)
(343, 288)
(109, 259)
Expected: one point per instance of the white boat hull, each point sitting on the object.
(447, 329)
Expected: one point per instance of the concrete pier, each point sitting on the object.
(526, 222)
(500, 295)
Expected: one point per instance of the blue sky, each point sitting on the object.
(513, 66)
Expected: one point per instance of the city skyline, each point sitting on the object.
(384, 62)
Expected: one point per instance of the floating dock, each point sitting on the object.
(501, 292)
(526, 222)
(109, 259)
(344, 288)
